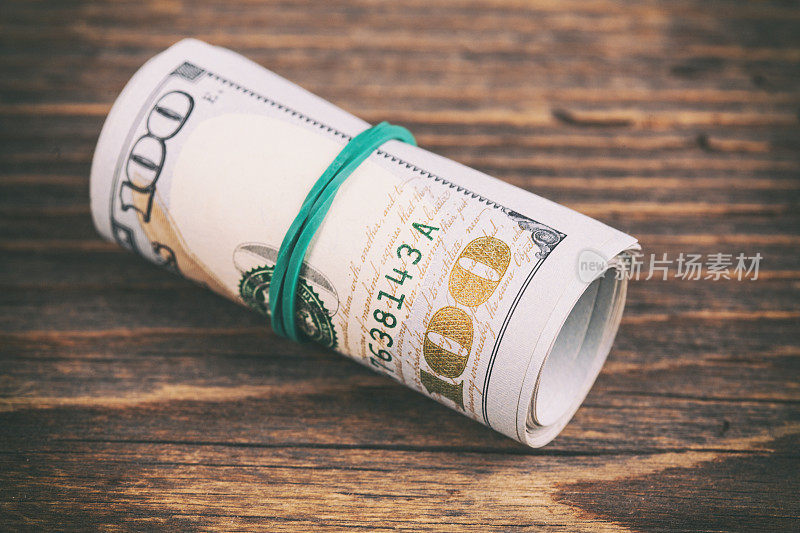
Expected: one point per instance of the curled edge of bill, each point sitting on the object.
(556, 387)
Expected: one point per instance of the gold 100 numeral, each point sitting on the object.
(449, 333)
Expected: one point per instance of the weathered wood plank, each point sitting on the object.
(213, 486)
(130, 399)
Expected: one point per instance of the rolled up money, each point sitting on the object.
(493, 301)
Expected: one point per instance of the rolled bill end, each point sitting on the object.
(576, 356)
(565, 338)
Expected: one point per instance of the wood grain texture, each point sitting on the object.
(131, 399)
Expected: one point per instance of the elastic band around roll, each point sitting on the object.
(286, 276)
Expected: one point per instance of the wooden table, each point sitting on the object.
(130, 398)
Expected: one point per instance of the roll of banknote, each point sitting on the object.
(491, 300)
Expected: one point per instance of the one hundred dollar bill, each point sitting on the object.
(489, 299)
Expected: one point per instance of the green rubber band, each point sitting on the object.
(286, 276)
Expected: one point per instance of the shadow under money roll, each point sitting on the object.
(489, 299)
